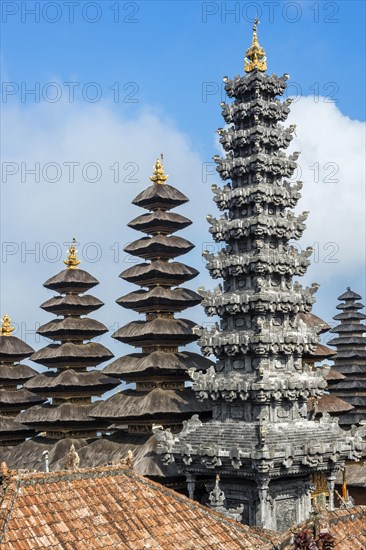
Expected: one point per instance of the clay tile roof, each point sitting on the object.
(111, 507)
(348, 527)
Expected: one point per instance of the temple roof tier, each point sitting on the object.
(157, 403)
(15, 374)
(256, 137)
(130, 367)
(71, 354)
(267, 167)
(159, 222)
(10, 429)
(71, 280)
(72, 304)
(72, 328)
(12, 349)
(160, 299)
(160, 273)
(159, 247)
(63, 416)
(17, 399)
(256, 111)
(272, 300)
(242, 87)
(158, 333)
(275, 194)
(320, 353)
(262, 225)
(259, 261)
(70, 382)
(239, 444)
(160, 197)
(350, 316)
(349, 295)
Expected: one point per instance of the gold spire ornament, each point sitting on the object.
(72, 262)
(6, 328)
(159, 176)
(255, 55)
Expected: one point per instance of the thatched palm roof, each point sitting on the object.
(159, 272)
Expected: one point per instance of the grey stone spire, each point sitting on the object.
(260, 440)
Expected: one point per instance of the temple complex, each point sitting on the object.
(262, 440)
(14, 398)
(350, 359)
(69, 384)
(160, 369)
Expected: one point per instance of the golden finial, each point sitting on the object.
(6, 329)
(255, 55)
(159, 176)
(72, 262)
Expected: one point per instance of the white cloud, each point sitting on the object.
(332, 169)
(98, 212)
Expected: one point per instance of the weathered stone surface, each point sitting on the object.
(262, 441)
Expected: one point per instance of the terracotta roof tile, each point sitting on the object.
(111, 507)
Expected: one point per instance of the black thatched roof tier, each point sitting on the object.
(159, 247)
(29, 455)
(348, 340)
(70, 381)
(320, 353)
(161, 222)
(12, 349)
(160, 299)
(71, 280)
(58, 417)
(349, 327)
(158, 404)
(349, 369)
(353, 306)
(18, 399)
(72, 328)
(15, 374)
(160, 197)
(349, 295)
(71, 354)
(158, 362)
(353, 354)
(72, 304)
(334, 375)
(314, 321)
(332, 404)
(350, 316)
(158, 332)
(159, 272)
(10, 429)
(113, 448)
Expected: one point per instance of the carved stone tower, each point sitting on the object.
(261, 440)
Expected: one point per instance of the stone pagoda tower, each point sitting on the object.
(160, 369)
(69, 384)
(350, 360)
(13, 396)
(261, 440)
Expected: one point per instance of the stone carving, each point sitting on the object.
(261, 434)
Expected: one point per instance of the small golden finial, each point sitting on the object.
(72, 262)
(255, 55)
(159, 176)
(6, 329)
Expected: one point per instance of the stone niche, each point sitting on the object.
(285, 514)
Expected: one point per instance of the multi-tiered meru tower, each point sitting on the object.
(160, 369)
(70, 383)
(350, 360)
(13, 396)
(261, 440)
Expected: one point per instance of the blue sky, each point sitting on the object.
(158, 68)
